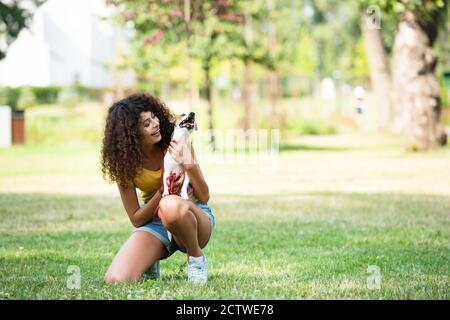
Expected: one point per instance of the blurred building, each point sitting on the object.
(68, 41)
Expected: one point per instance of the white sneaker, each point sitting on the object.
(153, 272)
(198, 269)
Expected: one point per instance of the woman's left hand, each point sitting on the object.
(181, 152)
(177, 183)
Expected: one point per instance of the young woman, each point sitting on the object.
(137, 135)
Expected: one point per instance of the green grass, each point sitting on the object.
(310, 229)
(50, 124)
(56, 124)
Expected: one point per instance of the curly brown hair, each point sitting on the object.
(121, 155)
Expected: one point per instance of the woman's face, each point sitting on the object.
(149, 128)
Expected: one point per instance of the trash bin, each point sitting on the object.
(5, 126)
(18, 127)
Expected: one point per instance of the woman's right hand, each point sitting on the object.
(177, 185)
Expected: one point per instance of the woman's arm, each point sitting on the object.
(185, 155)
(194, 172)
(138, 216)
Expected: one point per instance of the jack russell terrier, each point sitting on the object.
(184, 126)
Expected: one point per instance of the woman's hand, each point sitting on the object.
(181, 152)
(177, 184)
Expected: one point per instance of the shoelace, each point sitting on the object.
(196, 270)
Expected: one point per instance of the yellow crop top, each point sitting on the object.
(148, 181)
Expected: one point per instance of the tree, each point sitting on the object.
(378, 64)
(417, 92)
(161, 26)
(215, 32)
(213, 38)
(415, 104)
(15, 16)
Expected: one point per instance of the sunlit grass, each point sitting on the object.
(308, 229)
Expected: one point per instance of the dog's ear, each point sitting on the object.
(177, 118)
(180, 117)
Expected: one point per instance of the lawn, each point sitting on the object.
(309, 229)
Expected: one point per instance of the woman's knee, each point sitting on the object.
(116, 275)
(173, 209)
(112, 277)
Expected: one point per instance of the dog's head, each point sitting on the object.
(186, 121)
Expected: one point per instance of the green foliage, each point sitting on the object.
(426, 9)
(26, 99)
(15, 16)
(87, 93)
(334, 26)
(297, 86)
(46, 95)
(444, 80)
(69, 96)
(241, 31)
(398, 6)
(359, 67)
(9, 96)
(216, 33)
(52, 124)
(306, 58)
(310, 126)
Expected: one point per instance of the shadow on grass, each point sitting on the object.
(387, 197)
(50, 212)
(300, 241)
(304, 147)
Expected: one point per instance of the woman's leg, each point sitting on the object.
(189, 226)
(138, 253)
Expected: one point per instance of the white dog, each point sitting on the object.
(182, 132)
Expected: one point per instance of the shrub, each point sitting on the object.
(46, 95)
(69, 97)
(306, 126)
(9, 96)
(26, 99)
(52, 124)
(88, 93)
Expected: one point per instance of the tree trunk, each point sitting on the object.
(246, 96)
(417, 102)
(379, 71)
(212, 140)
(187, 27)
(273, 97)
(272, 74)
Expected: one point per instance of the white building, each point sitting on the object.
(68, 40)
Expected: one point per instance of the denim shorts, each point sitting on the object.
(157, 229)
